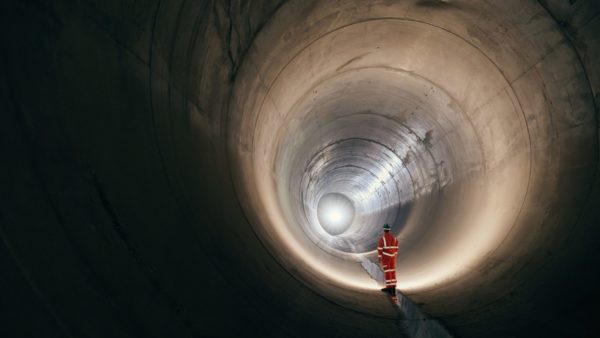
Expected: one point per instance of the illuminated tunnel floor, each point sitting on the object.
(413, 321)
(221, 168)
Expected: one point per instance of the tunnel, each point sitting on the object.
(224, 168)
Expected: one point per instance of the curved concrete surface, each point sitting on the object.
(165, 164)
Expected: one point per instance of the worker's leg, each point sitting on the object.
(389, 271)
(392, 272)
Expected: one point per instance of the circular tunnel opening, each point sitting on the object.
(418, 125)
(335, 212)
(369, 122)
(199, 163)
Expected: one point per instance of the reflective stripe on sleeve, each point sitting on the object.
(389, 254)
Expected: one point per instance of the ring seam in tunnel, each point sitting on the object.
(368, 141)
(173, 303)
(317, 154)
(411, 131)
(266, 247)
(375, 176)
(590, 89)
(378, 188)
(269, 86)
(309, 44)
(508, 83)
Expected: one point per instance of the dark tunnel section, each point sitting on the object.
(183, 168)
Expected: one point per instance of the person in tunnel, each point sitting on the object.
(387, 249)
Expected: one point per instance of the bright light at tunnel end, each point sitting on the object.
(335, 213)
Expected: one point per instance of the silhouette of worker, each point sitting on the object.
(387, 249)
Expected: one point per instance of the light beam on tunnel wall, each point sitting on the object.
(384, 175)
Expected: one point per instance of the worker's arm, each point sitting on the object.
(380, 249)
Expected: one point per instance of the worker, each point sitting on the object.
(387, 249)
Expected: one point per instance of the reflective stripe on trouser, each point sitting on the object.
(389, 270)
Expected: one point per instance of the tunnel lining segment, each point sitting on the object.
(271, 97)
(495, 160)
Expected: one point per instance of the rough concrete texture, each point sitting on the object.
(162, 163)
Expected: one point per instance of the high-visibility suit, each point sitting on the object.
(387, 249)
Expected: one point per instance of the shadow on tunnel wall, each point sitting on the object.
(119, 214)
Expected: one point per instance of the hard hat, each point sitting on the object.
(386, 227)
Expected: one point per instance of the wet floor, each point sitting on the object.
(414, 323)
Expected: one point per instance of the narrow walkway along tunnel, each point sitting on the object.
(224, 168)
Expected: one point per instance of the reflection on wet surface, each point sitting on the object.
(414, 322)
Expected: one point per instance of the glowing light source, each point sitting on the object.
(335, 213)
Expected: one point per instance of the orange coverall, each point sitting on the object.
(387, 249)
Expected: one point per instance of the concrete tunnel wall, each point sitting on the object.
(163, 162)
